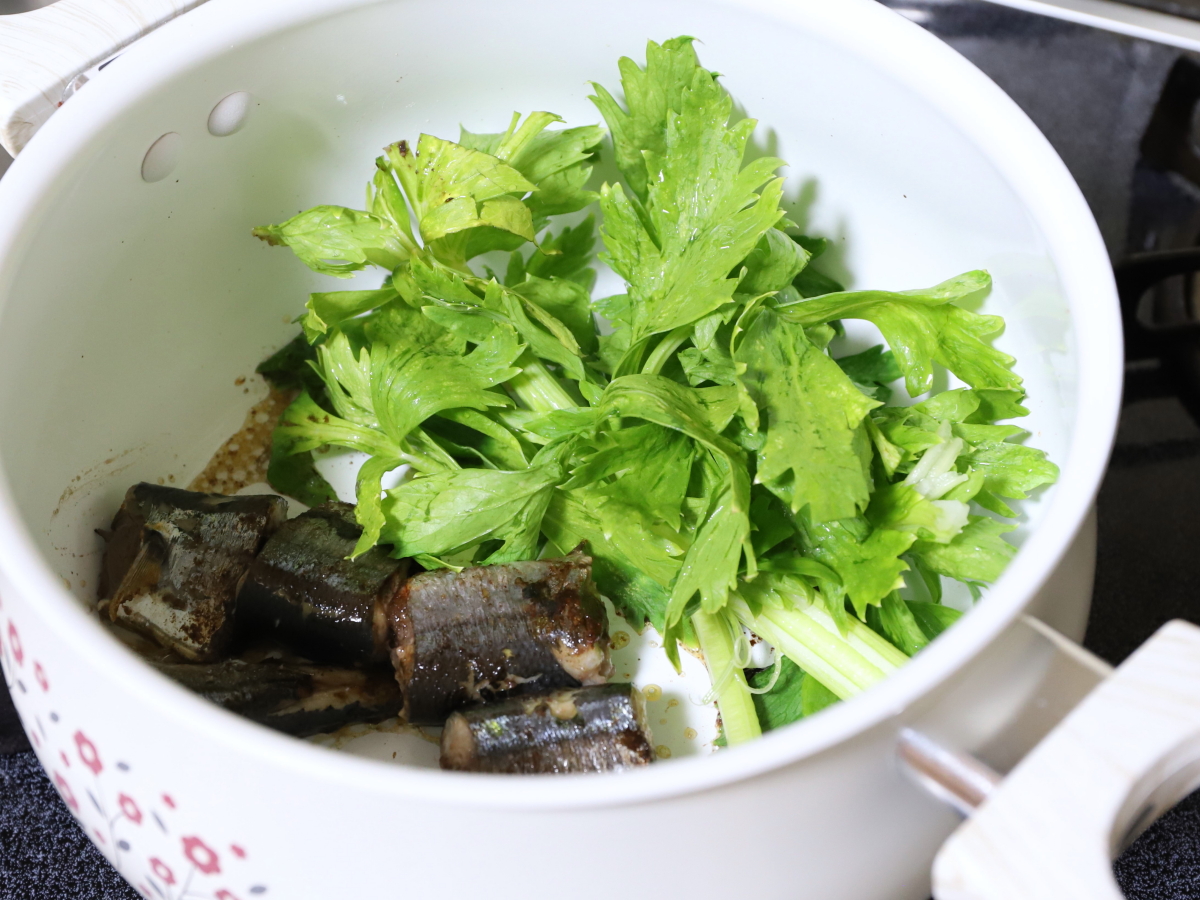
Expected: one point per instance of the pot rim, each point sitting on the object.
(902, 51)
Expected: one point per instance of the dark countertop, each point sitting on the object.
(1091, 93)
(1189, 9)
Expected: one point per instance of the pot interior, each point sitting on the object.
(132, 314)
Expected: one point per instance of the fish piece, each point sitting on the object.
(588, 729)
(174, 561)
(295, 699)
(478, 634)
(303, 591)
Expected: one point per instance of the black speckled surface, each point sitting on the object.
(43, 853)
(1188, 9)
(1091, 93)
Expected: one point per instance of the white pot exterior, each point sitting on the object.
(129, 309)
(319, 825)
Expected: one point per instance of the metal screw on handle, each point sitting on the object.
(954, 777)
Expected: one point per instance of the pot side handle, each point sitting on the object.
(43, 50)
(1126, 754)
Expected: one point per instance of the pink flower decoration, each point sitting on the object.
(225, 895)
(40, 674)
(88, 753)
(14, 641)
(65, 791)
(237, 851)
(37, 742)
(201, 855)
(62, 754)
(162, 870)
(99, 836)
(130, 808)
(166, 798)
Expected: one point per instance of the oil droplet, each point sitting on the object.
(672, 703)
(618, 640)
(662, 721)
(652, 692)
(662, 751)
(689, 733)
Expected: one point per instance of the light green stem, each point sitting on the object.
(835, 661)
(738, 716)
(537, 388)
(662, 353)
(424, 454)
(878, 650)
(631, 359)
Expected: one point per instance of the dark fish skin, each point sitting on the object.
(304, 592)
(174, 561)
(588, 729)
(484, 632)
(295, 699)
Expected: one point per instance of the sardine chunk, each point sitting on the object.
(174, 561)
(589, 729)
(295, 699)
(303, 591)
(484, 632)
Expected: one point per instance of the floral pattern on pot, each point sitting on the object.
(145, 838)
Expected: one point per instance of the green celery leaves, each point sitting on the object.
(923, 328)
(334, 240)
(794, 695)
(444, 513)
(817, 451)
(702, 213)
(719, 457)
(653, 94)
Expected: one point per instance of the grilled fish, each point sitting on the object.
(589, 729)
(303, 591)
(174, 561)
(295, 699)
(484, 632)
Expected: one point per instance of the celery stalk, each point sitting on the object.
(877, 649)
(665, 351)
(738, 716)
(831, 659)
(536, 388)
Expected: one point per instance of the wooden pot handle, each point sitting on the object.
(1126, 754)
(42, 51)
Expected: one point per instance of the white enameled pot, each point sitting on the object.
(132, 301)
